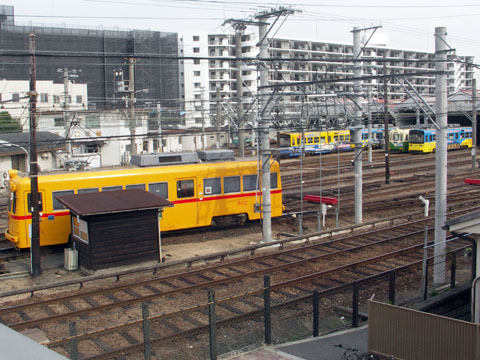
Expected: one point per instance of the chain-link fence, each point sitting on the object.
(271, 315)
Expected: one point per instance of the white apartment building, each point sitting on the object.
(297, 61)
(51, 96)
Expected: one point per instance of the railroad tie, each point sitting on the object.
(204, 277)
(191, 320)
(153, 289)
(235, 270)
(131, 340)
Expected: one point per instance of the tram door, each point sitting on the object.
(186, 206)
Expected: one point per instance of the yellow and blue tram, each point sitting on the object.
(424, 140)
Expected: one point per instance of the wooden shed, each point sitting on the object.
(115, 228)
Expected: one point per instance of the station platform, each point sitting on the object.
(319, 348)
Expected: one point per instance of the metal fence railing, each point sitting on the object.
(221, 326)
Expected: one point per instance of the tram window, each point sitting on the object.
(231, 184)
(160, 189)
(212, 186)
(450, 136)
(57, 205)
(12, 203)
(273, 180)
(111, 188)
(185, 188)
(316, 140)
(136, 186)
(249, 182)
(29, 202)
(86, 191)
(456, 136)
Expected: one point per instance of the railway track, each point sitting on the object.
(294, 272)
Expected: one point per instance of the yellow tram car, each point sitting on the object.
(203, 195)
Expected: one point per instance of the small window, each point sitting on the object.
(196, 73)
(57, 205)
(249, 182)
(111, 188)
(196, 50)
(231, 184)
(29, 202)
(196, 38)
(59, 122)
(79, 99)
(212, 186)
(86, 191)
(137, 186)
(196, 61)
(12, 204)
(185, 188)
(44, 98)
(160, 189)
(15, 97)
(273, 180)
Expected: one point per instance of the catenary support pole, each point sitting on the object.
(474, 123)
(131, 90)
(66, 117)
(35, 268)
(441, 48)
(386, 116)
(357, 84)
(264, 138)
(239, 29)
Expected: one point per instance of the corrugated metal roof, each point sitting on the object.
(112, 201)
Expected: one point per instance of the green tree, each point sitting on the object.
(7, 123)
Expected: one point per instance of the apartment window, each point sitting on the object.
(196, 38)
(59, 122)
(196, 50)
(56, 99)
(198, 97)
(92, 121)
(68, 99)
(79, 99)
(16, 97)
(196, 61)
(196, 85)
(196, 73)
(44, 98)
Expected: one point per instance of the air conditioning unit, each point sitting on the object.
(70, 259)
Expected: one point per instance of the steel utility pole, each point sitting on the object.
(357, 89)
(239, 29)
(35, 268)
(441, 49)
(387, 135)
(131, 90)
(474, 124)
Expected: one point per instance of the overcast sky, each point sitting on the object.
(408, 24)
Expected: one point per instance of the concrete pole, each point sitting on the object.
(66, 121)
(369, 127)
(474, 123)
(265, 143)
(440, 155)
(385, 120)
(131, 89)
(160, 131)
(219, 116)
(357, 84)
(418, 115)
(238, 54)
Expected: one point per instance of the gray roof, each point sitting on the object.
(108, 202)
(46, 141)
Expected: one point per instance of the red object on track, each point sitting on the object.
(472, 181)
(320, 199)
